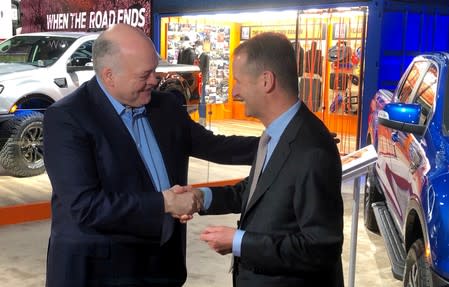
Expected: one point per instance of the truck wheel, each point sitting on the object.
(4, 135)
(22, 154)
(417, 270)
(370, 196)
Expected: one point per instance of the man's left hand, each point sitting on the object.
(219, 238)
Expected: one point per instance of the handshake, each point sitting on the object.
(183, 201)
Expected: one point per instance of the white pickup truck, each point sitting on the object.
(38, 69)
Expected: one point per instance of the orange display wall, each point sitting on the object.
(329, 82)
(218, 39)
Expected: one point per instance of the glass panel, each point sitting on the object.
(425, 95)
(405, 94)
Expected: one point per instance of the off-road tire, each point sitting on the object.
(22, 154)
(370, 196)
(4, 134)
(417, 270)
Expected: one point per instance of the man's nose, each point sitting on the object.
(152, 80)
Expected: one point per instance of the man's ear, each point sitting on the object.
(107, 77)
(269, 80)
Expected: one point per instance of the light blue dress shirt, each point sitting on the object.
(139, 127)
(274, 130)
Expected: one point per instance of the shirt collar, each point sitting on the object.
(277, 127)
(119, 107)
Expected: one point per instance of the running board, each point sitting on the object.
(393, 242)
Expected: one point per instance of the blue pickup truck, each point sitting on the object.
(406, 196)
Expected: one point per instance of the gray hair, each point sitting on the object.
(104, 53)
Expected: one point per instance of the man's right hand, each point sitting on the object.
(180, 200)
(187, 217)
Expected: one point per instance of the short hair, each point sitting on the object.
(104, 52)
(274, 52)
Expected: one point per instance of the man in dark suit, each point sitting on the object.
(290, 231)
(112, 155)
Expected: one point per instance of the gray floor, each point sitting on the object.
(23, 249)
(23, 246)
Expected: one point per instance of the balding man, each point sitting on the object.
(116, 153)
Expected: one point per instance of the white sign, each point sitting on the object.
(357, 162)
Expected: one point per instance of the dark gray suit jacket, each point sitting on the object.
(294, 221)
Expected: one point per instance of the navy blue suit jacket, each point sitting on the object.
(106, 214)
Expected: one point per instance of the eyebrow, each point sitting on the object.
(146, 72)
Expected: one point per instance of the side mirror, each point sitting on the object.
(402, 117)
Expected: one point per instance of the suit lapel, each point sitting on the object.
(277, 160)
(114, 128)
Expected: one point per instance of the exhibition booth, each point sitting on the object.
(346, 51)
(355, 48)
(329, 47)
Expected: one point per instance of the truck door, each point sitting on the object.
(409, 158)
(412, 147)
(80, 65)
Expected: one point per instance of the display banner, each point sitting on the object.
(287, 30)
(308, 31)
(83, 15)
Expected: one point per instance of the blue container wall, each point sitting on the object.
(418, 33)
(406, 30)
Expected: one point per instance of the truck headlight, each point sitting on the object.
(1, 88)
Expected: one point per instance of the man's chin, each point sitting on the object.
(146, 98)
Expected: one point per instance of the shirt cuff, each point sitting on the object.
(237, 242)
(207, 197)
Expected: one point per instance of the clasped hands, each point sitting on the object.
(183, 201)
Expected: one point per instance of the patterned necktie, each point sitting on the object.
(260, 160)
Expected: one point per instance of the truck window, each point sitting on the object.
(48, 50)
(425, 95)
(82, 56)
(13, 51)
(36, 50)
(405, 94)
